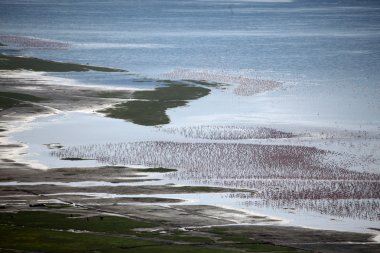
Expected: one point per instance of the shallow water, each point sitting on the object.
(89, 129)
(326, 54)
(329, 50)
(284, 216)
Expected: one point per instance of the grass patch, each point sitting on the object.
(49, 232)
(151, 109)
(146, 113)
(70, 174)
(157, 170)
(52, 232)
(57, 205)
(207, 84)
(35, 64)
(114, 94)
(237, 239)
(12, 99)
(179, 249)
(47, 220)
(172, 92)
(6, 103)
(183, 237)
(43, 240)
(262, 247)
(22, 96)
(74, 159)
(2, 45)
(209, 189)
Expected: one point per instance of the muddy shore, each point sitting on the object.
(204, 221)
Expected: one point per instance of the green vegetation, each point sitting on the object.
(172, 92)
(74, 159)
(114, 94)
(35, 64)
(147, 113)
(57, 205)
(2, 45)
(43, 240)
(21, 96)
(49, 232)
(207, 83)
(206, 189)
(178, 236)
(157, 170)
(147, 108)
(11, 99)
(6, 103)
(53, 232)
(37, 219)
(150, 109)
(231, 237)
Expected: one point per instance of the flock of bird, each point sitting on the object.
(226, 132)
(282, 175)
(246, 86)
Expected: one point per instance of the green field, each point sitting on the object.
(41, 231)
(151, 105)
(35, 64)
(11, 99)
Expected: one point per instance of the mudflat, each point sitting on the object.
(96, 208)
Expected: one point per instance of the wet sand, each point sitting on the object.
(84, 200)
(98, 200)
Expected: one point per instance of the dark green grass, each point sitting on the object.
(179, 249)
(2, 45)
(52, 232)
(179, 236)
(114, 94)
(12, 99)
(208, 84)
(157, 170)
(21, 96)
(74, 159)
(35, 64)
(37, 219)
(40, 240)
(210, 189)
(43, 240)
(150, 109)
(242, 240)
(6, 103)
(174, 92)
(49, 232)
(146, 113)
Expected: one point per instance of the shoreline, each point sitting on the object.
(57, 100)
(197, 214)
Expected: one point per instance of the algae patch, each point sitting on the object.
(151, 105)
(157, 170)
(11, 99)
(74, 159)
(35, 64)
(57, 232)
